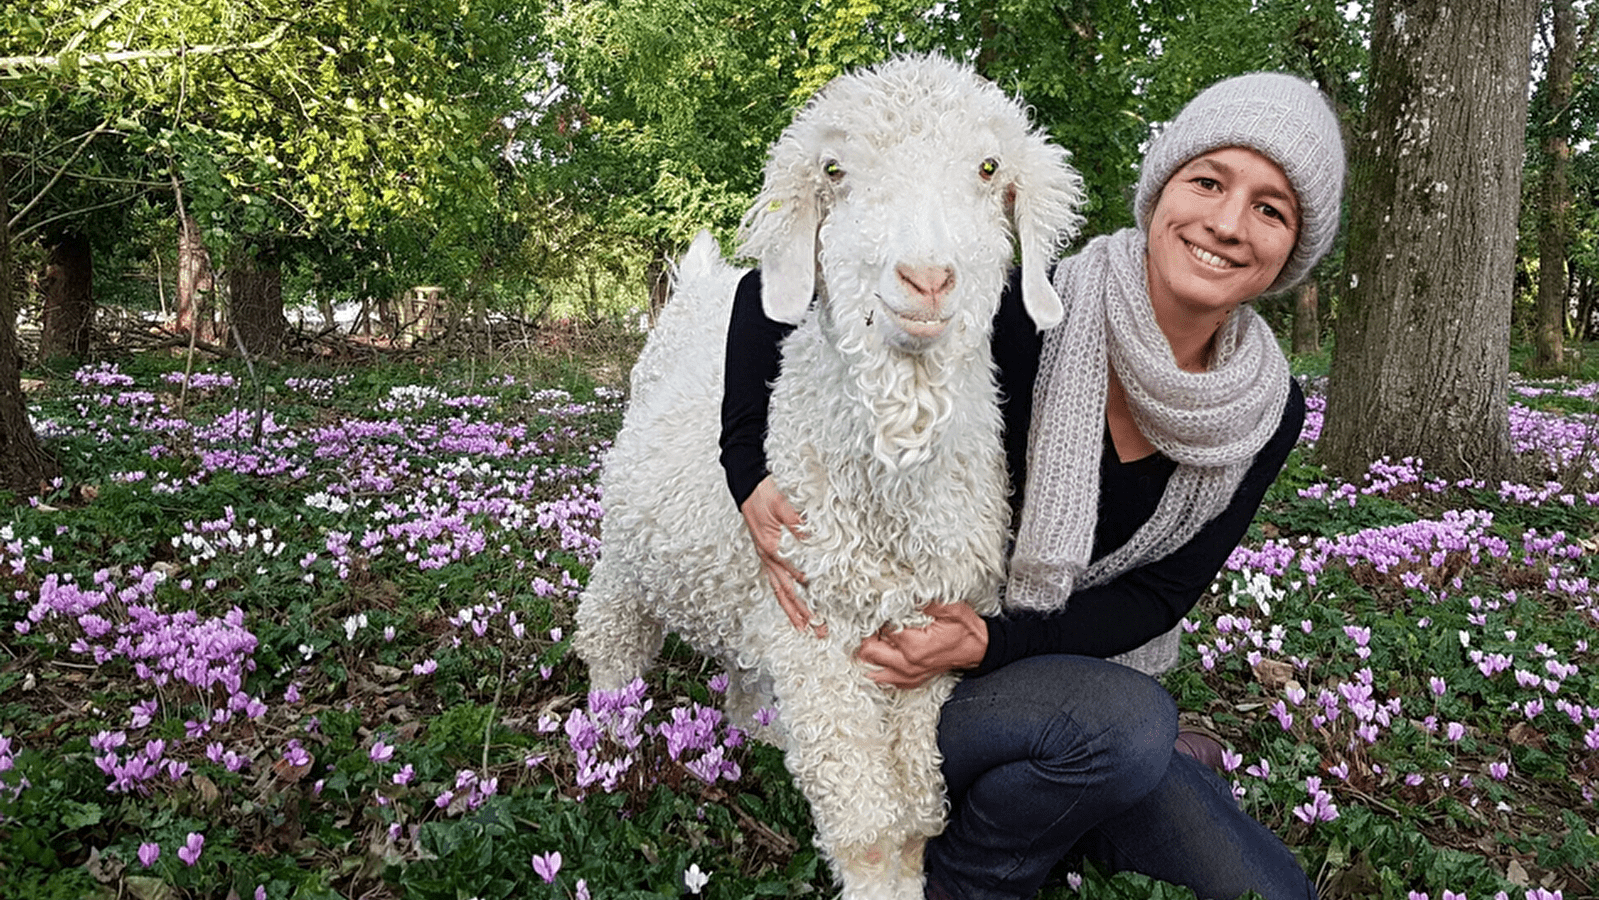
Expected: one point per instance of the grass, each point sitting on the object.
(309, 638)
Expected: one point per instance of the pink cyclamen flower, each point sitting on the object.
(405, 774)
(381, 752)
(1498, 770)
(192, 845)
(545, 865)
(149, 853)
(1454, 731)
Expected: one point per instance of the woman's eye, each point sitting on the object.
(1208, 184)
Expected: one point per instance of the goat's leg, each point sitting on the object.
(616, 634)
(914, 723)
(914, 720)
(838, 747)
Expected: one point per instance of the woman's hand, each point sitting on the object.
(957, 638)
(766, 513)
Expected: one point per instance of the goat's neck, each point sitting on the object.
(903, 404)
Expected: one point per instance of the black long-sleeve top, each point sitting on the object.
(1105, 620)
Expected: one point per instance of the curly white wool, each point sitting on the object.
(883, 430)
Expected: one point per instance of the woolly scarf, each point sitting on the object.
(1212, 424)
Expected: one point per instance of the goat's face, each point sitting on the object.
(904, 186)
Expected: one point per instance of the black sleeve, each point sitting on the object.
(1017, 342)
(1143, 603)
(752, 365)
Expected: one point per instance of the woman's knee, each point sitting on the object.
(1121, 719)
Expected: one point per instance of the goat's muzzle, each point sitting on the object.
(920, 308)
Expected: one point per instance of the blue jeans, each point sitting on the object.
(1056, 757)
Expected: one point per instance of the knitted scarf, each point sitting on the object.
(1212, 424)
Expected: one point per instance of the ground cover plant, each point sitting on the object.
(308, 637)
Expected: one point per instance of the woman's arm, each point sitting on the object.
(752, 363)
(752, 356)
(1143, 603)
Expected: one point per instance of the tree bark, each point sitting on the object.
(1555, 194)
(255, 295)
(657, 278)
(1307, 321)
(24, 465)
(195, 282)
(1422, 361)
(68, 288)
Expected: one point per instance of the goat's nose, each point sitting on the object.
(928, 282)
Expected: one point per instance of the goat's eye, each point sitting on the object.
(833, 169)
(988, 168)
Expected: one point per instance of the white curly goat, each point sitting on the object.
(902, 187)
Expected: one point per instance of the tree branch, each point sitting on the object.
(13, 67)
(98, 130)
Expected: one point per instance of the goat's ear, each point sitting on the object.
(780, 231)
(1044, 203)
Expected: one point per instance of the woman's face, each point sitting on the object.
(1222, 229)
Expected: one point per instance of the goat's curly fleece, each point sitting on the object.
(886, 436)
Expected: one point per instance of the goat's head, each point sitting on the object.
(904, 186)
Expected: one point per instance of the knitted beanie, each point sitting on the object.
(1283, 118)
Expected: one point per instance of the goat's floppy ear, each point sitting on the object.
(1045, 198)
(780, 231)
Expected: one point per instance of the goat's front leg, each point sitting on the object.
(840, 751)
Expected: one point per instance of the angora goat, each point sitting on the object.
(893, 200)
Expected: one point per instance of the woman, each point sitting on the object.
(1142, 433)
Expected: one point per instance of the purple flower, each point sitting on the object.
(546, 865)
(192, 845)
(296, 754)
(381, 752)
(404, 775)
(149, 853)
(1498, 770)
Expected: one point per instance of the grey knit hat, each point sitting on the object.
(1283, 118)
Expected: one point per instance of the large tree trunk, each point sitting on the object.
(24, 465)
(1422, 360)
(255, 294)
(68, 288)
(1554, 194)
(1307, 320)
(194, 282)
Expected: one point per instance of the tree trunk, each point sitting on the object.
(1422, 360)
(658, 279)
(194, 282)
(1555, 195)
(255, 294)
(68, 289)
(24, 465)
(1307, 321)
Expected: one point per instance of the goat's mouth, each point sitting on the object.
(920, 325)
